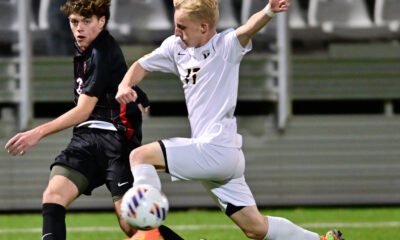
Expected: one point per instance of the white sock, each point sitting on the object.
(145, 174)
(283, 229)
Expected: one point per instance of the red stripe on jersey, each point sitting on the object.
(125, 121)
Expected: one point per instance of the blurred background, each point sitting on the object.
(318, 107)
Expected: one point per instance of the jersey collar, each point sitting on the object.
(80, 51)
(204, 51)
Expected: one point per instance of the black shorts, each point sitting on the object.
(102, 156)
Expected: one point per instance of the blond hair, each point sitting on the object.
(200, 10)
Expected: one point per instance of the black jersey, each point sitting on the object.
(99, 69)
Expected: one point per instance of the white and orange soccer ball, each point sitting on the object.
(144, 207)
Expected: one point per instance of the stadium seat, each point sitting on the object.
(9, 21)
(300, 30)
(329, 13)
(387, 13)
(43, 14)
(227, 16)
(345, 19)
(140, 20)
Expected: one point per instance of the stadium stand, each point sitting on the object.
(250, 7)
(330, 13)
(53, 82)
(43, 21)
(8, 20)
(348, 72)
(298, 25)
(387, 14)
(319, 159)
(140, 20)
(8, 81)
(300, 30)
(344, 19)
(227, 18)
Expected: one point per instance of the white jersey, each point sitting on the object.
(210, 78)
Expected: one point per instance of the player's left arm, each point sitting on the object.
(258, 20)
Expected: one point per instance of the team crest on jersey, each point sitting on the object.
(206, 53)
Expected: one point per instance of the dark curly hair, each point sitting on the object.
(87, 8)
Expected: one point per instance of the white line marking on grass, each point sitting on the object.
(200, 227)
(351, 225)
(305, 225)
(69, 229)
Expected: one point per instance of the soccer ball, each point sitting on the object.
(144, 207)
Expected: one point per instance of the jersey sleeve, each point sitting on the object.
(161, 59)
(232, 50)
(97, 75)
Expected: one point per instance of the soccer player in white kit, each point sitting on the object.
(207, 64)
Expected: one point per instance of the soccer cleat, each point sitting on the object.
(147, 235)
(332, 235)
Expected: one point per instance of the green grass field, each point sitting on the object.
(355, 223)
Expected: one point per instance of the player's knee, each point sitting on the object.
(51, 196)
(59, 195)
(137, 156)
(254, 234)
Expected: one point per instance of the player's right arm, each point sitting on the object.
(23, 141)
(160, 60)
(258, 20)
(134, 75)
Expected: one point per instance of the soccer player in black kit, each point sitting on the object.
(104, 132)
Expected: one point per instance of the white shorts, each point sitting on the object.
(219, 169)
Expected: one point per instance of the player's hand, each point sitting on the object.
(125, 94)
(279, 5)
(144, 110)
(22, 142)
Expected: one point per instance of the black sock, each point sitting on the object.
(53, 222)
(168, 234)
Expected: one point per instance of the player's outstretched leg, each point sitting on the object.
(257, 226)
(145, 161)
